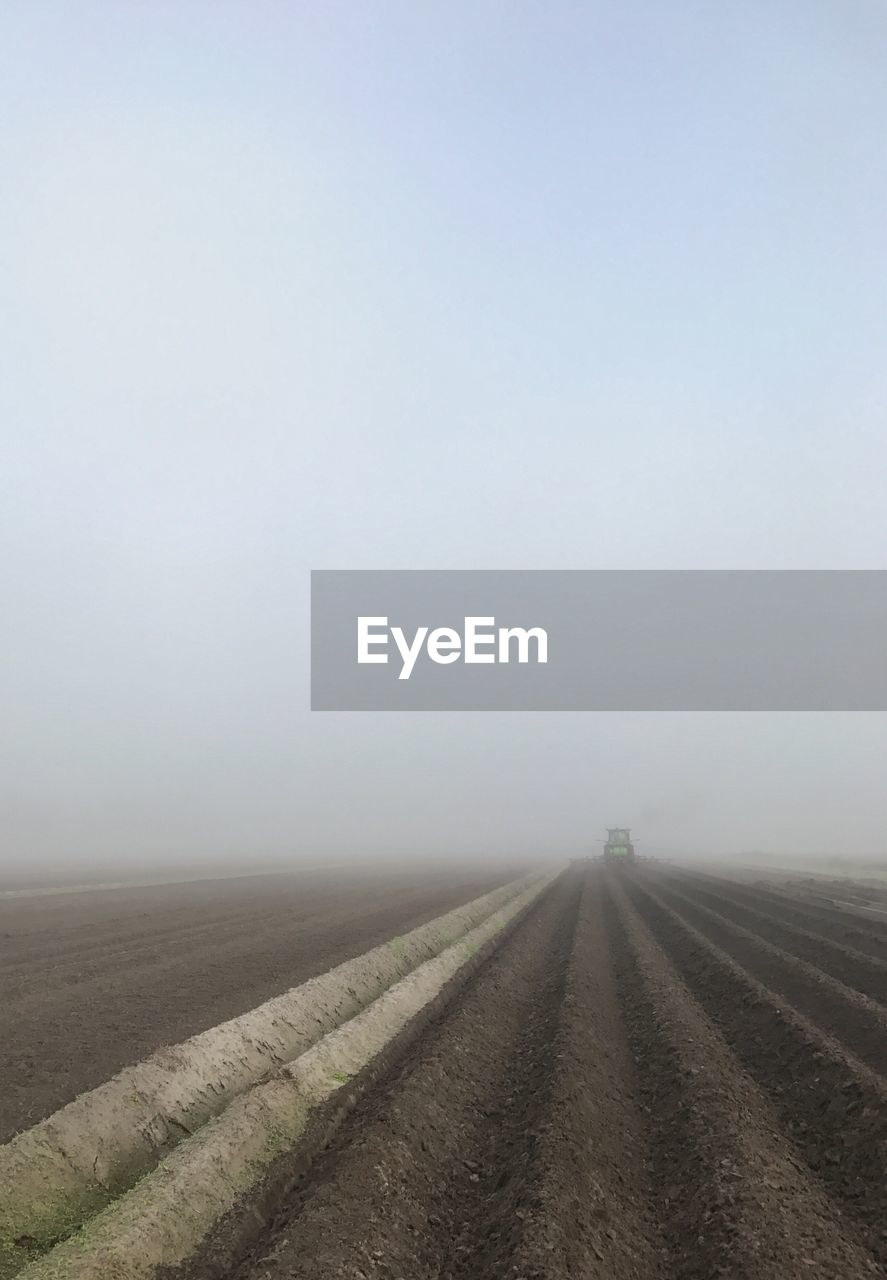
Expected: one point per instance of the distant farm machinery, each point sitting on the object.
(618, 849)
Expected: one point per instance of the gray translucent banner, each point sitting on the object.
(572, 640)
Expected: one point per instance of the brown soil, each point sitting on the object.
(91, 982)
(625, 1089)
(834, 955)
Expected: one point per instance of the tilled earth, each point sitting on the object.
(659, 1074)
(91, 982)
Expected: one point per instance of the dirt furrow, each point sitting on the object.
(593, 1212)
(833, 1108)
(508, 1143)
(859, 1023)
(853, 968)
(652, 1077)
(841, 926)
(429, 1176)
(730, 1192)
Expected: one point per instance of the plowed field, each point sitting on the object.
(91, 982)
(658, 1074)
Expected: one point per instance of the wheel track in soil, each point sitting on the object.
(612, 1095)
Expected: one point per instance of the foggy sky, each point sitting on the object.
(463, 285)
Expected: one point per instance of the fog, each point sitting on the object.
(475, 285)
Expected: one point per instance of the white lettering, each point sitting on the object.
(523, 638)
(409, 652)
(365, 638)
(473, 638)
(444, 645)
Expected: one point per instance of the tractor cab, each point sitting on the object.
(618, 847)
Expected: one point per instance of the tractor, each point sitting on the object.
(618, 849)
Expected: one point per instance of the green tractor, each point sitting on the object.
(618, 849)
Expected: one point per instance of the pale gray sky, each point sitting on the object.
(498, 285)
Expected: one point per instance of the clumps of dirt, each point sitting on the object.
(611, 1096)
(823, 950)
(432, 1174)
(169, 1211)
(574, 1113)
(832, 1109)
(57, 1175)
(860, 1023)
(593, 1212)
(731, 1195)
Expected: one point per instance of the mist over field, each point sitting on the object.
(399, 286)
